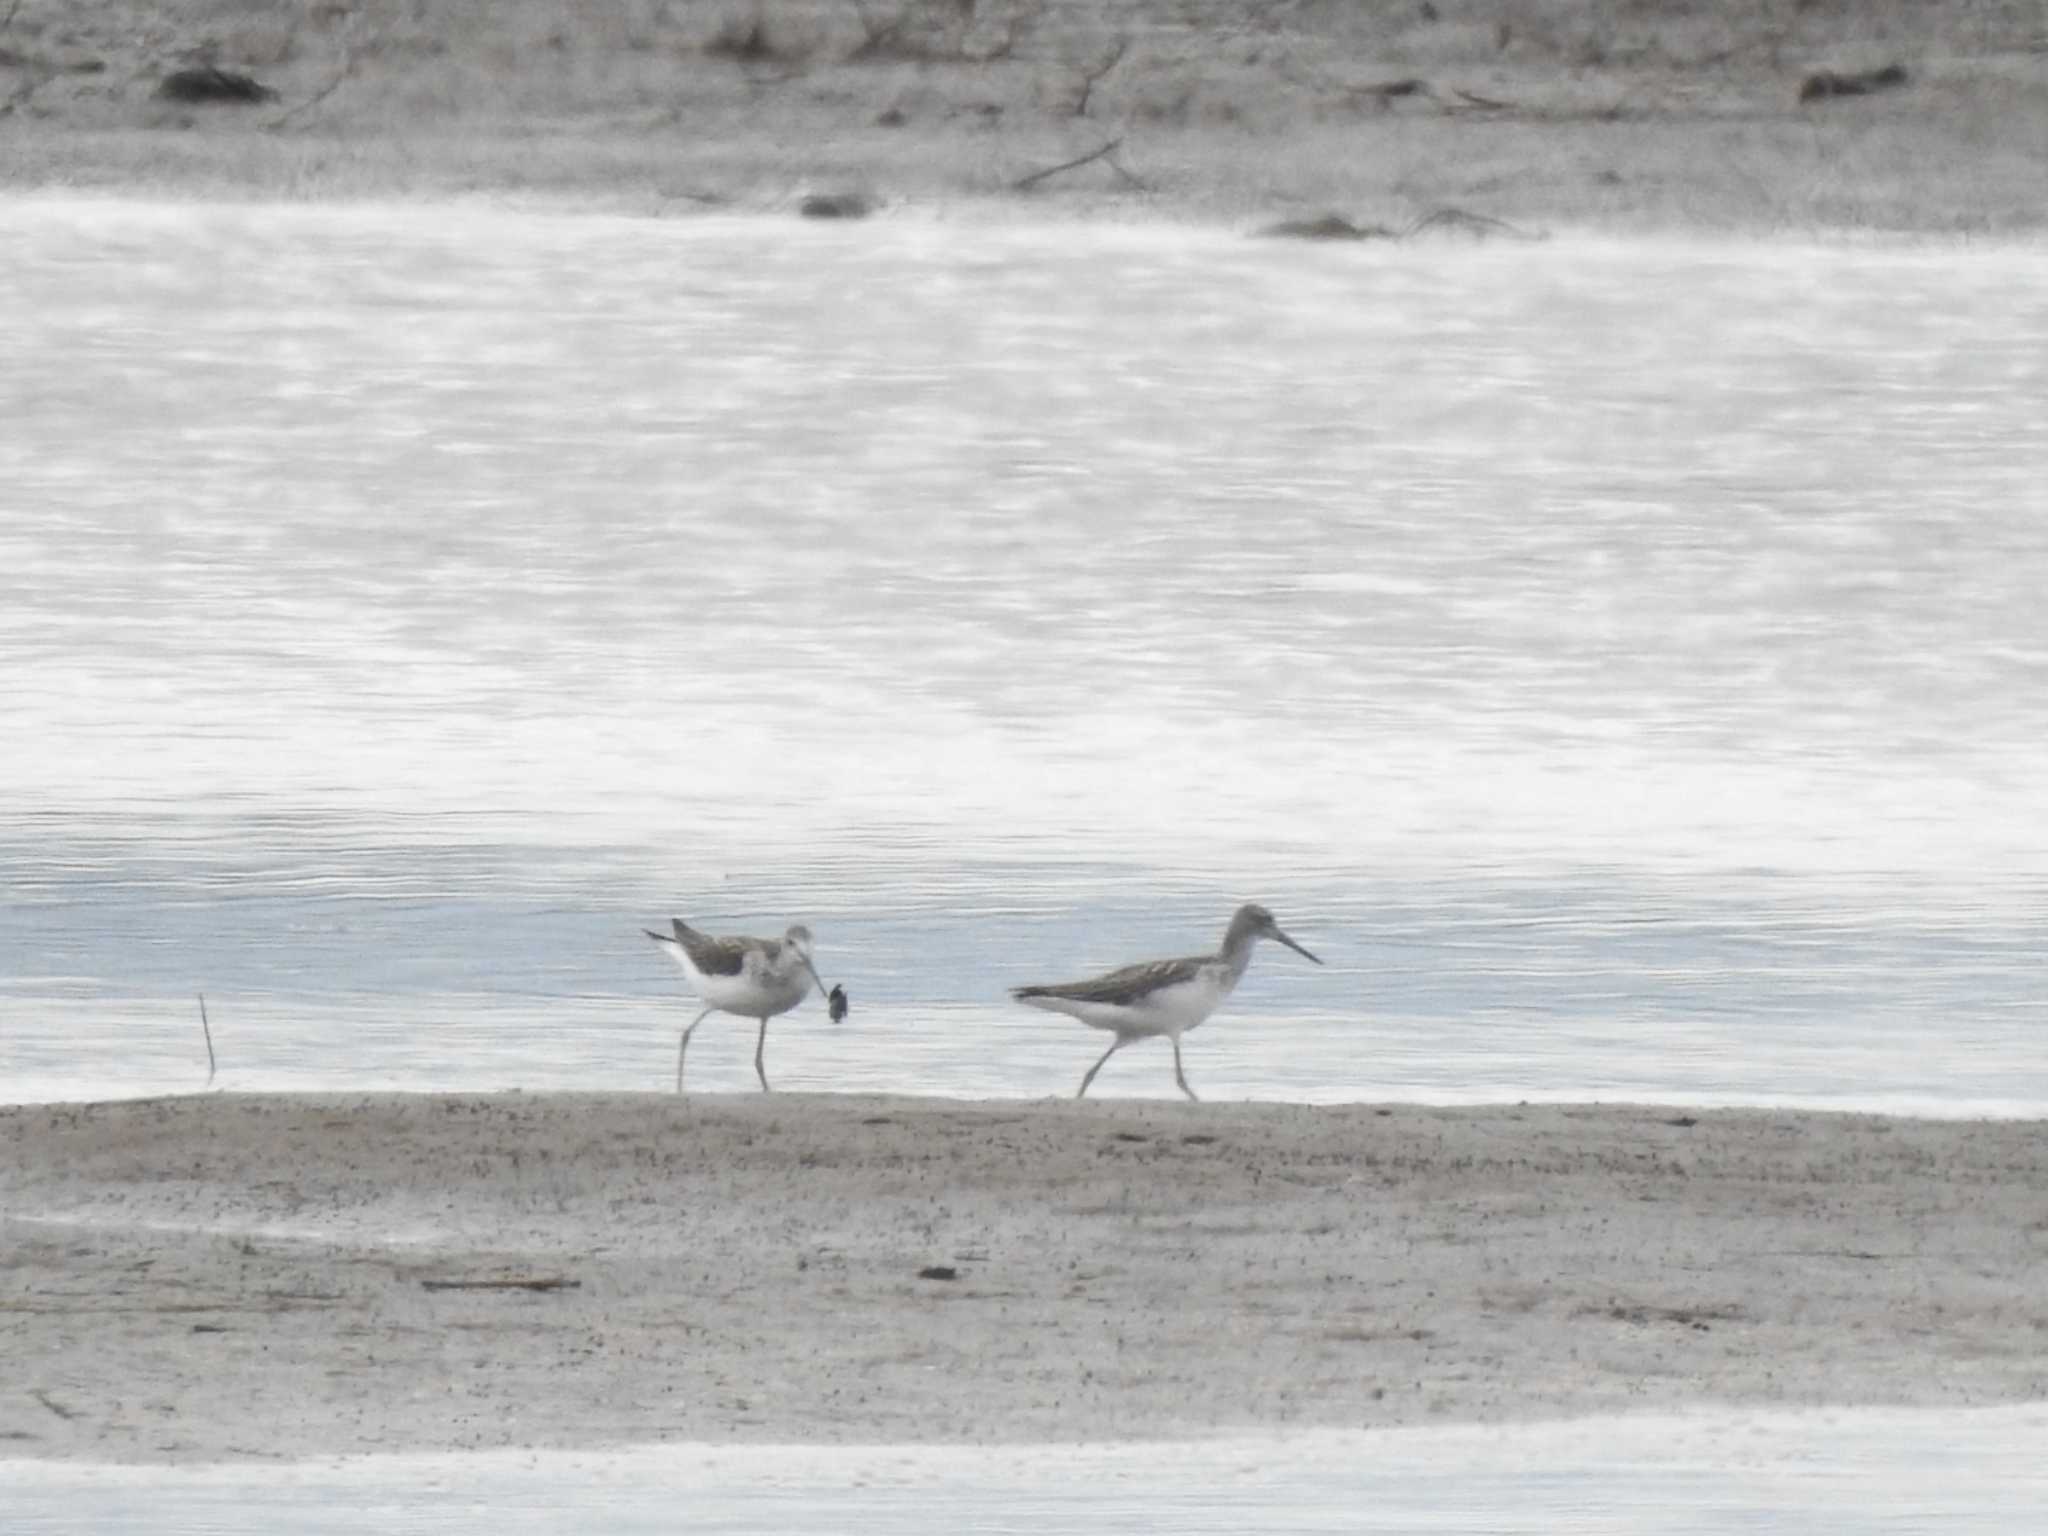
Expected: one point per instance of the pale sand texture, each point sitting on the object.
(230, 1276)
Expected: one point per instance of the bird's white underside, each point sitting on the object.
(757, 992)
(1170, 1010)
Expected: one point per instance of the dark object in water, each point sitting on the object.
(836, 1004)
(938, 1272)
(836, 205)
(1328, 226)
(1825, 83)
(208, 84)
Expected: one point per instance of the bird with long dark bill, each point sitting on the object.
(754, 978)
(1161, 997)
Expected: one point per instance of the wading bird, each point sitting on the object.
(754, 978)
(1161, 997)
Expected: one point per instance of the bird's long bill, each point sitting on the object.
(823, 990)
(1294, 946)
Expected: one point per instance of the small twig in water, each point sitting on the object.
(42, 1395)
(206, 1025)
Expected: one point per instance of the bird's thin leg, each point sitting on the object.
(1178, 1075)
(760, 1045)
(1115, 1046)
(684, 1044)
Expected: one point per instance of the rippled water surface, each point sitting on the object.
(1626, 665)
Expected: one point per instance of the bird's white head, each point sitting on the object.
(797, 942)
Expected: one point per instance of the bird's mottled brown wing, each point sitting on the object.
(716, 957)
(1125, 985)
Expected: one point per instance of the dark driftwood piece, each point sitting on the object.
(210, 85)
(1825, 83)
(539, 1283)
(836, 205)
(1332, 226)
(1328, 226)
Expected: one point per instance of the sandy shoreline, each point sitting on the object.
(1664, 118)
(235, 1277)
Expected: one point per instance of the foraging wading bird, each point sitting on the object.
(1161, 997)
(754, 978)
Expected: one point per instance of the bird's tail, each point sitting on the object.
(682, 935)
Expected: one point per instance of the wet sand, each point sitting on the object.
(1551, 116)
(229, 1277)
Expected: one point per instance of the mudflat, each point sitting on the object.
(243, 1276)
(1340, 121)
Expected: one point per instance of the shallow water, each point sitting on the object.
(1884, 1473)
(1624, 664)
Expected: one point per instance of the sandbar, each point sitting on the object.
(231, 1277)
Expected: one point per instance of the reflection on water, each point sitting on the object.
(1848, 1473)
(1624, 664)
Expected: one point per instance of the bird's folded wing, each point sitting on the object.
(1125, 985)
(713, 957)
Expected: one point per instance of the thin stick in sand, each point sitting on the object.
(538, 1283)
(204, 1025)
